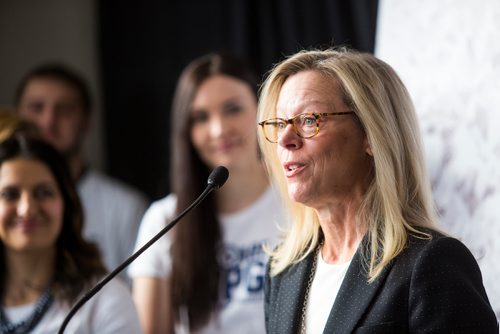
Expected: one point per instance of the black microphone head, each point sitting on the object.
(218, 177)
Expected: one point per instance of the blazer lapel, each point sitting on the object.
(290, 302)
(354, 297)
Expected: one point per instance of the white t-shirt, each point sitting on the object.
(244, 233)
(113, 212)
(324, 289)
(111, 310)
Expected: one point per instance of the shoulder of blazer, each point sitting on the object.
(437, 247)
(446, 293)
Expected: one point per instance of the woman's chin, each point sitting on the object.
(298, 195)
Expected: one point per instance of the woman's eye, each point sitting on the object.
(199, 117)
(309, 121)
(275, 124)
(9, 194)
(232, 109)
(44, 192)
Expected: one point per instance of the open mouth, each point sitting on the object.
(292, 169)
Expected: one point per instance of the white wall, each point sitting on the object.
(448, 54)
(34, 31)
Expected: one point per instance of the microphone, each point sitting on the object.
(218, 177)
(215, 180)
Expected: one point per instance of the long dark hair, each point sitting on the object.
(196, 273)
(78, 263)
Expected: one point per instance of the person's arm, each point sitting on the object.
(151, 296)
(130, 217)
(447, 293)
(150, 273)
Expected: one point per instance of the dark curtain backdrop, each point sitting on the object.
(144, 45)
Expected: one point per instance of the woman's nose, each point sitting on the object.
(289, 139)
(26, 205)
(217, 127)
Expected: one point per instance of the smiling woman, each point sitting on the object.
(45, 264)
(222, 109)
(208, 275)
(31, 206)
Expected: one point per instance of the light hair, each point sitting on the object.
(398, 201)
(11, 124)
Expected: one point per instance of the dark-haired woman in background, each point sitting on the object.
(207, 276)
(45, 264)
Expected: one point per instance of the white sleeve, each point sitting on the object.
(155, 261)
(130, 215)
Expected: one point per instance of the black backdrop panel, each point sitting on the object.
(145, 44)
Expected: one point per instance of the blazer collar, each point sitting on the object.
(354, 296)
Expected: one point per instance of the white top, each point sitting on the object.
(111, 310)
(113, 212)
(324, 289)
(244, 233)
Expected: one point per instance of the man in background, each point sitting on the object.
(58, 101)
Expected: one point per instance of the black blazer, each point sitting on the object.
(433, 286)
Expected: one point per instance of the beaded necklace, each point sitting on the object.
(308, 288)
(42, 305)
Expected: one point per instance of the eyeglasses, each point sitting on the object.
(305, 125)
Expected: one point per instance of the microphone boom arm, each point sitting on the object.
(212, 184)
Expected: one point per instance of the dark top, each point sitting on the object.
(433, 286)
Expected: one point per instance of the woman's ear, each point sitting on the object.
(368, 148)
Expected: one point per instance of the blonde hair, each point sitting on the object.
(11, 124)
(398, 200)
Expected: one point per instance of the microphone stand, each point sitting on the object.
(214, 182)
